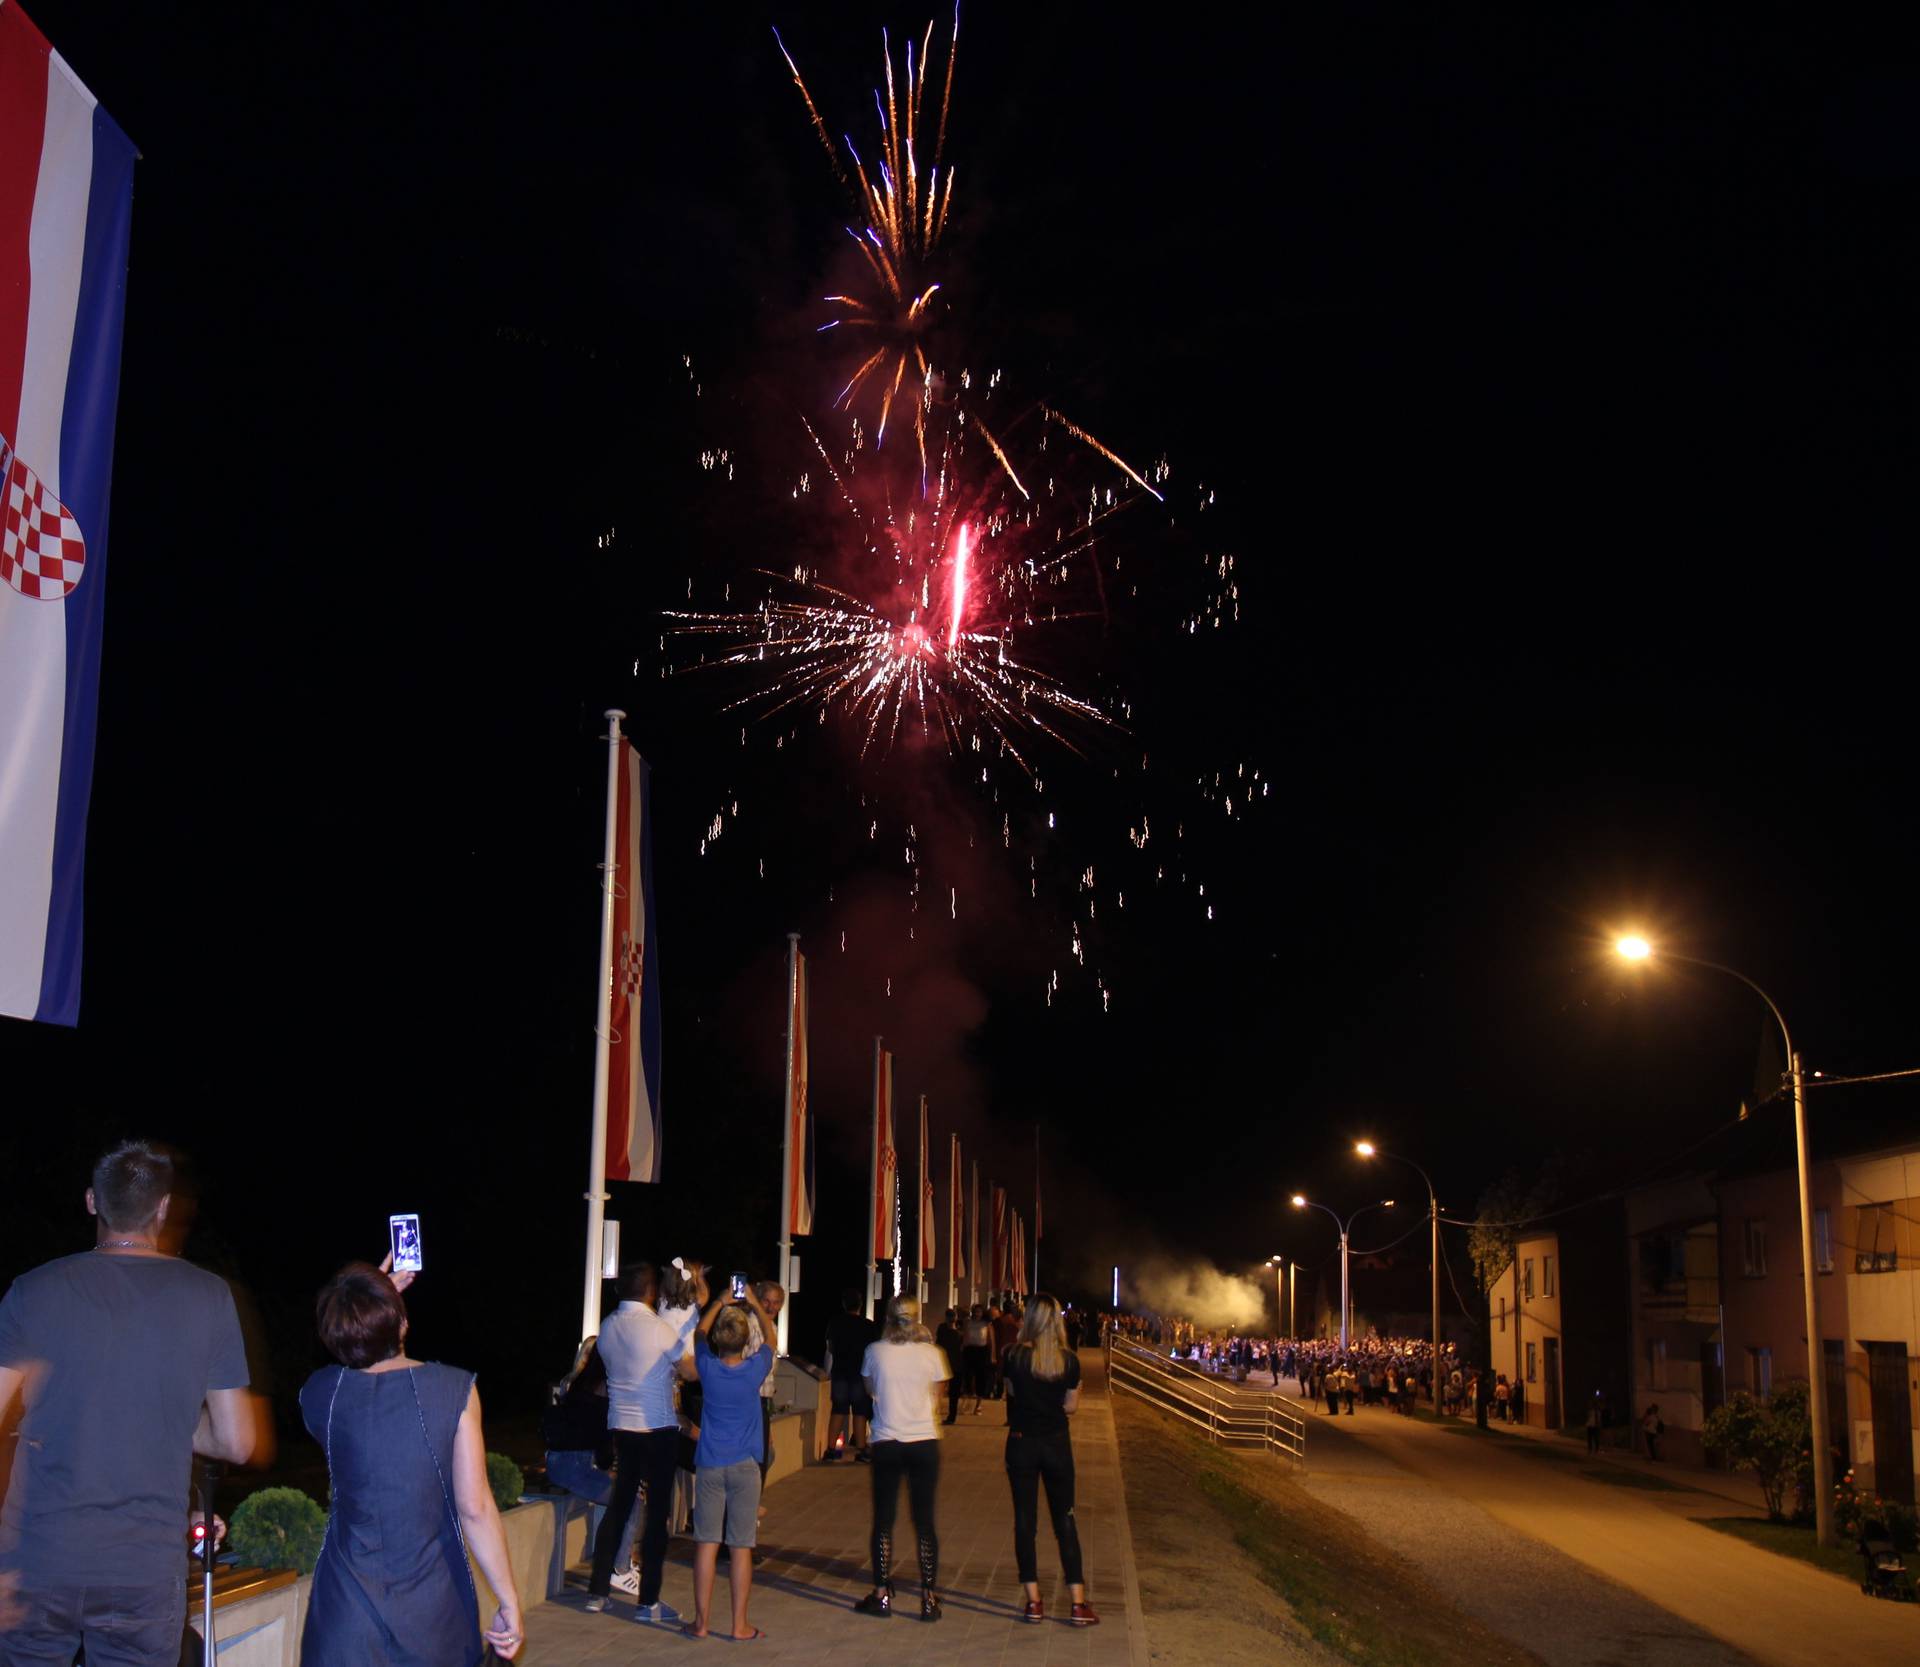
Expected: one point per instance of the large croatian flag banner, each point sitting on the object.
(66, 203)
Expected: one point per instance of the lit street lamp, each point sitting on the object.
(1301, 1202)
(1636, 948)
(1367, 1149)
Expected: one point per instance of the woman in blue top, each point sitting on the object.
(407, 1464)
(726, 1499)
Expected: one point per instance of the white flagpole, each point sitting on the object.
(873, 1184)
(603, 1041)
(786, 1140)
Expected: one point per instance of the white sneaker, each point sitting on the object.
(657, 1614)
(628, 1581)
(597, 1603)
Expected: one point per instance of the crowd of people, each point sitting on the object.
(127, 1362)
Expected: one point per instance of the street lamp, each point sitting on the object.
(1301, 1202)
(1636, 948)
(1367, 1149)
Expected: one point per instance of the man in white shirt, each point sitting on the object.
(640, 1346)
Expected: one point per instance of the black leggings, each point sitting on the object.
(976, 1364)
(1032, 1460)
(919, 1463)
(648, 1456)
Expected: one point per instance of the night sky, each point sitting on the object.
(1556, 380)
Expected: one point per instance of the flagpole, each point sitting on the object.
(873, 1184)
(603, 1042)
(1036, 1206)
(786, 1140)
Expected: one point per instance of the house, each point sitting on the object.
(1673, 1232)
(1557, 1319)
(1866, 1252)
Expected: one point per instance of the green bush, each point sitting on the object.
(1856, 1515)
(506, 1479)
(278, 1528)
(1770, 1438)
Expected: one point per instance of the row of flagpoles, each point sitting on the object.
(626, 1103)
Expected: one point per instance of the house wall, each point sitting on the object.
(1529, 1320)
(1855, 1304)
(1673, 1284)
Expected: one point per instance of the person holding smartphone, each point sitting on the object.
(640, 1342)
(728, 1458)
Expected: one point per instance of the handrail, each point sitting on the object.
(1230, 1414)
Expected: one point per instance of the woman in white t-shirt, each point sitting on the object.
(904, 1375)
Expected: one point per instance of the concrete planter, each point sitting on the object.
(264, 1631)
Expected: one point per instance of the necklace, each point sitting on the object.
(123, 1244)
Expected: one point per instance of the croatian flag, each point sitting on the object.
(633, 1051)
(800, 1131)
(66, 208)
(929, 1226)
(886, 1160)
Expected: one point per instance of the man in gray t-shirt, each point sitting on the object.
(128, 1362)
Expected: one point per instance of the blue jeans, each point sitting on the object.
(121, 1626)
(576, 1473)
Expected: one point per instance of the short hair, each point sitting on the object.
(131, 1181)
(728, 1335)
(360, 1316)
(765, 1288)
(850, 1301)
(637, 1282)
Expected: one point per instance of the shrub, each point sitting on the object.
(1770, 1438)
(506, 1479)
(278, 1528)
(1855, 1515)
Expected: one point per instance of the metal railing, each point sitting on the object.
(1229, 1413)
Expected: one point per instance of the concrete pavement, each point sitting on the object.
(1625, 1522)
(815, 1538)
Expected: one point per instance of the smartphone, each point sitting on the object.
(739, 1287)
(405, 1233)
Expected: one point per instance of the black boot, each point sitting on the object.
(880, 1600)
(929, 1567)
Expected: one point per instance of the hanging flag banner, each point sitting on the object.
(929, 1224)
(956, 1213)
(633, 1040)
(800, 1121)
(1000, 1244)
(973, 1232)
(886, 1160)
(66, 212)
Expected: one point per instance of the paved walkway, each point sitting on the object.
(1630, 1524)
(815, 1538)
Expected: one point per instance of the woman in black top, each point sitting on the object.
(1043, 1388)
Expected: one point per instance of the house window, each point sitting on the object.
(1530, 1377)
(1503, 1313)
(1760, 1372)
(1823, 1240)
(1657, 1362)
(1873, 1250)
(1546, 1276)
(1527, 1281)
(1754, 1247)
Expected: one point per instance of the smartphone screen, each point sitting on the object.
(405, 1232)
(739, 1286)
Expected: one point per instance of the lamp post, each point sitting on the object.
(1301, 1202)
(1278, 1264)
(1638, 949)
(1367, 1149)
